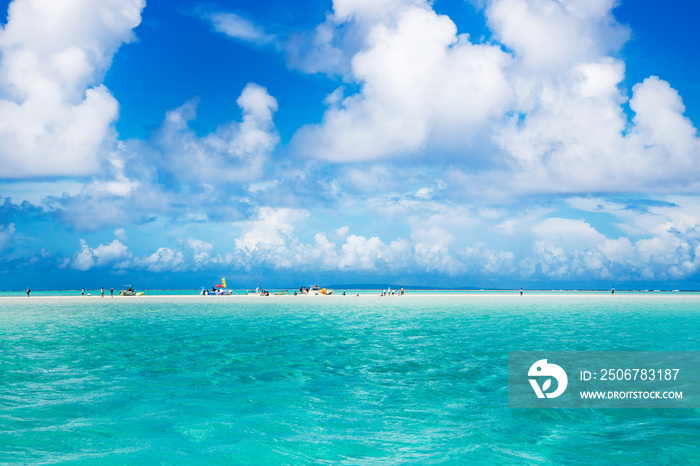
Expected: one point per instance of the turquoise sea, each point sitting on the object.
(418, 379)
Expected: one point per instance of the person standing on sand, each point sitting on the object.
(28, 291)
(83, 292)
(521, 291)
(613, 290)
(102, 290)
(111, 292)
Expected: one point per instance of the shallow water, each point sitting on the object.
(369, 380)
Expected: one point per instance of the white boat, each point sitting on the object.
(129, 291)
(317, 291)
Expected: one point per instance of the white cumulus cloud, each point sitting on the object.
(236, 151)
(55, 115)
(164, 259)
(418, 78)
(202, 250)
(271, 228)
(542, 107)
(104, 254)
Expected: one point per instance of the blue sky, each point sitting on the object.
(453, 143)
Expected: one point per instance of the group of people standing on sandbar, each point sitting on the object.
(102, 292)
(390, 292)
(82, 293)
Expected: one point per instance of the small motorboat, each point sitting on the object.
(129, 291)
(317, 290)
